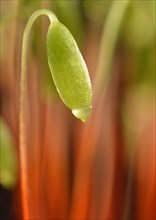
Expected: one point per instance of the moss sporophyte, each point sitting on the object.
(70, 76)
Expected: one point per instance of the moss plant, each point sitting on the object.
(71, 79)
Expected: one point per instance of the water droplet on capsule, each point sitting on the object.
(83, 113)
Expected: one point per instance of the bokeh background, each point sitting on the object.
(103, 169)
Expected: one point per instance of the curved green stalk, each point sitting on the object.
(22, 109)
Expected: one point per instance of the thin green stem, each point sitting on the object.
(22, 110)
(108, 44)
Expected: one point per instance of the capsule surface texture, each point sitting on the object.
(69, 71)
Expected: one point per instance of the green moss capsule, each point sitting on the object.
(69, 70)
(8, 160)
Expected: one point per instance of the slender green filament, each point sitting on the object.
(22, 109)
